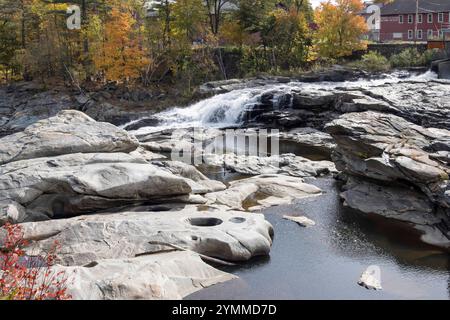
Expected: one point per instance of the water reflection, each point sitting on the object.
(325, 261)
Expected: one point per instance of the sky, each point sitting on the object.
(315, 3)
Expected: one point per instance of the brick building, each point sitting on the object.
(398, 20)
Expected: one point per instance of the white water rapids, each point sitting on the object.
(225, 110)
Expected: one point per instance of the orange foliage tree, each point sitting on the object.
(120, 56)
(339, 28)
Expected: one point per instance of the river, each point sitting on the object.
(324, 261)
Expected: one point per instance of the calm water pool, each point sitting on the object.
(326, 261)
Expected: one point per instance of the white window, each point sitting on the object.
(441, 34)
(430, 18)
(400, 18)
(410, 18)
(441, 17)
(419, 34)
(410, 34)
(420, 18)
(430, 33)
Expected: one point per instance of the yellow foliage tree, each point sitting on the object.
(339, 28)
(120, 56)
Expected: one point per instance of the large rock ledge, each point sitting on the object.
(215, 232)
(162, 276)
(400, 169)
(68, 132)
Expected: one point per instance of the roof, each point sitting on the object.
(409, 6)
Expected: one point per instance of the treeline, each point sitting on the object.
(169, 40)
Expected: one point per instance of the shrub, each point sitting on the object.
(28, 278)
(410, 57)
(373, 61)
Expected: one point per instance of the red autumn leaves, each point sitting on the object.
(26, 277)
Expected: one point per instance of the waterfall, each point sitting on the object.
(225, 110)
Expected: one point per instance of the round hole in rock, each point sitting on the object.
(237, 220)
(205, 222)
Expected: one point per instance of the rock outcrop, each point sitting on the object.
(402, 166)
(69, 165)
(126, 233)
(421, 102)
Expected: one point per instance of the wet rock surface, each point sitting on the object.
(421, 102)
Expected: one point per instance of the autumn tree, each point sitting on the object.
(339, 28)
(118, 52)
(287, 34)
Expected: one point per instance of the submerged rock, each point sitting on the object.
(303, 221)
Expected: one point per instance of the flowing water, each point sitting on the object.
(226, 110)
(324, 261)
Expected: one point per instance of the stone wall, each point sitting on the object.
(389, 49)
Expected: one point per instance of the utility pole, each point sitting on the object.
(416, 22)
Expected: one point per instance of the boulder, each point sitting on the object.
(127, 233)
(371, 278)
(68, 132)
(307, 142)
